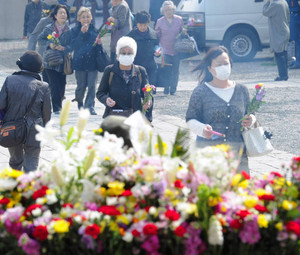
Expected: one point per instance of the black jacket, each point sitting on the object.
(119, 91)
(33, 13)
(16, 95)
(84, 57)
(145, 48)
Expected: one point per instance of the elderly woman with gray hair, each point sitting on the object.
(168, 28)
(122, 83)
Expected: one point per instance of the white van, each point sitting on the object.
(237, 24)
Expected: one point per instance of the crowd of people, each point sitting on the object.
(217, 103)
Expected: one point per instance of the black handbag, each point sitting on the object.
(13, 133)
(120, 112)
(102, 59)
(54, 57)
(185, 44)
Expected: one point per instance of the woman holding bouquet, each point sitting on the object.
(84, 59)
(218, 104)
(56, 37)
(121, 87)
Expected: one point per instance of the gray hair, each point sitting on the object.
(165, 3)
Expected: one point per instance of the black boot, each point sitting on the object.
(281, 59)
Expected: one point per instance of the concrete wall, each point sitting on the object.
(12, 18)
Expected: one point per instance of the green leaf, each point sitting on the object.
(160, 145)
(181, 144)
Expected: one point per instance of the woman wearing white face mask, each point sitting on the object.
(121, 86)
(217, 104)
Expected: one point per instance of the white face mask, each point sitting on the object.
(126, 60)
(223, 72)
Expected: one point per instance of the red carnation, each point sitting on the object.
(144, 89)
(178, 184)
(236, 224)
(277, 174)
(56, 35)
(172, 215)
(242, 214)
(109, 210)
(30, 208)
(267, 197)
(107, 23)
(293, 226)
(257, 86)
(135, 233)
(40, 233)
(260, 208)
(150, 229)
(126, 193)
(93, 230)
(4, 201)
(297, 159)
(246, 175)
(180, 231)
(40, 193)
(65, 205)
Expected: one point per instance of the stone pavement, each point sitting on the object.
(165, 125)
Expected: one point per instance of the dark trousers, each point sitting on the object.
(45, 76)
(172, 85)
(24, 156)
(282, 64)
(295, 34)
(57, 83)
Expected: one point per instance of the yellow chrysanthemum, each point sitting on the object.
(61, 226)
(115, 188)
(16, 196)
(213, 201)
(250, 201)
(236, 179)
(223, 147)
(49, 37)
(192, 209)
(223, 208)
(123, 219)
(107, 158)
(243, 184)
(260, 84)
(148, 89)
(170, 194)
(49, 191)
(113, 226)
(288, 205)
(11, 204)
(279, 226)
(260, 192)
(262, 221)
(10, 173)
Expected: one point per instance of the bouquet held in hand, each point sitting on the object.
(54, 38)
(104, 31)
(148, 92)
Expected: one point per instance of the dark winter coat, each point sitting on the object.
(15, 97)
(119, 91)
(84, 56)
(64, 39)
(33, 13)
(145, 47)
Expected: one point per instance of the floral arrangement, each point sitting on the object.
(45, 13)
(148, 94)
(54, 38)
(107, 28)
(98, 197)
(257, 100)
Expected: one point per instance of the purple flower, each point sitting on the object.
(88, 241)
(14, 228)
(91, 206)
(30, 246)
(151, 245)
(193, 245)
(250, 232)
(281, 236)
(160, 187)
(259, 97)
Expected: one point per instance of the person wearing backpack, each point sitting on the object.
(23, 93)
(122, 83)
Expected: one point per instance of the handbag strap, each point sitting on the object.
(32, 101)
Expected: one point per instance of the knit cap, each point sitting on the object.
(126, 41)
(31, 61)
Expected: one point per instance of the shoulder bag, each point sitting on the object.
(68, 64)
(54, 57)
(184, 44)
(13, 133)
(257, 144)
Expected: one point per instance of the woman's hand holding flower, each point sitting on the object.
(99, 41)
(207, 132)
(84, 28)
(247, 121)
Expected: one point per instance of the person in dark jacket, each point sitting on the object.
(15, 97)
(32, 16)
(56, 76)
(147, 42)
(84, 59)
(122, 83)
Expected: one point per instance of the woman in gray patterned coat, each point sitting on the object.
(217, 104)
